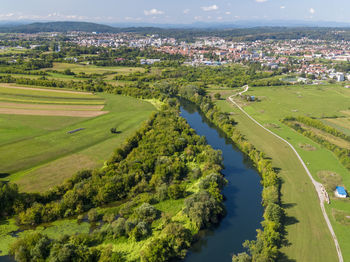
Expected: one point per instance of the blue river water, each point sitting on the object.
(242, 194)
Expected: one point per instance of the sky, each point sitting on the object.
(174, 11)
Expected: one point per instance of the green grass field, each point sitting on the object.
(91, 69)
(315, 101)
(308, 238)
(37, 153)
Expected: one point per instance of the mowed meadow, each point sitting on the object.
(305, 223)
(38, 149)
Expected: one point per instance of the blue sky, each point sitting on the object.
(175, 11)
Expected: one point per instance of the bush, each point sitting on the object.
(176, 191)
(212, 178)
(93, 215)
(162, 192)
(141, 231)
(108, 217)
(119, 227)
(147, 212)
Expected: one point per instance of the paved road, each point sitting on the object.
(318, 186)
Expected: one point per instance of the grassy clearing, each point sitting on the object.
(9, 231)
(279, 102)
(91, 69)
(305, 225)
(320, 101)
(37, 159)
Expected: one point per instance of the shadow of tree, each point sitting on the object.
(290, 221)
(284, 258)
(3, 175)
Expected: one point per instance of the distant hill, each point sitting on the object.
(230, 32)
(59, 27)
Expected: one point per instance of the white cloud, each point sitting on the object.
(283, 7)
(210, 8)
(129, 18)
(51, 16)
(153, 12)
(186, 11)
(227, 13)
(312, 11)
(260, 1)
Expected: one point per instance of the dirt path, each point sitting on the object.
(44, 89)
(318, 186)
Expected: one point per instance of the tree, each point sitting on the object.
(217, 96)
(114, 130)
(176, 191)
(241, 257)
(93, 215)
(68, 72)
(147, 212)
(158, 250)
(203, 209)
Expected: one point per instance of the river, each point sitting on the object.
(243, 196)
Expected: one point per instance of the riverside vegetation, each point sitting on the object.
(159, 189)
(163, 161)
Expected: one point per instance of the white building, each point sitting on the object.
(340, 77)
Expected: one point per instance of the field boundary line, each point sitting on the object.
(318, 186)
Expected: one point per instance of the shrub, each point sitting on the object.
(93, 215)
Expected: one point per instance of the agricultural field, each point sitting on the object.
(57, 72)
(35, 125)
(91, 69)
(322, 102)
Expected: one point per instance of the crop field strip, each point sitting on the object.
(38, 112)
(51, 107)
(330, 138)
(340, 123)
(37, 144)
(33, 96)
(49, 97)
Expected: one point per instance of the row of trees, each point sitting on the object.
(319, 125)
(269, 240)
(343, 154)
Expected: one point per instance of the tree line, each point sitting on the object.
(343, 154)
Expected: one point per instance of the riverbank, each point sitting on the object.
(242, 194)
(307, 235)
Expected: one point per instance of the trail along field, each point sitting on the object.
(305, 225)
(275, 103)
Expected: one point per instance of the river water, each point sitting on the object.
(243, 196)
